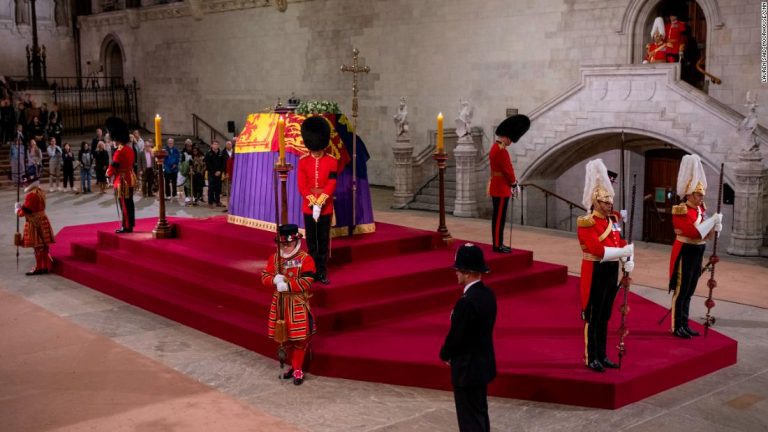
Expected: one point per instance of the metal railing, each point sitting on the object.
(86, 102)
(547, 194)
(86, 108)
(213, 133)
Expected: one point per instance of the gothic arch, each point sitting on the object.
(644, 100)
(112, 55)
(637, 14)
(581, 142)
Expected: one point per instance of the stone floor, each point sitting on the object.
(73, 359)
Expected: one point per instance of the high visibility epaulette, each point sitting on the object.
(680, 209)
(585, 221)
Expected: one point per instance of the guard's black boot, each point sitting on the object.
(609, 364)
(288, 375)
(691, 332)
(596, 366)
(681, 333)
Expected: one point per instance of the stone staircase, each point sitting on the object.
(428, 197)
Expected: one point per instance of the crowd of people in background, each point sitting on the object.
(33, 131)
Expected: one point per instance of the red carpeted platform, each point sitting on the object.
(386, 312)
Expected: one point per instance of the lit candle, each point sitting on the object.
(281, 138)
(158, 134)
(440, 147)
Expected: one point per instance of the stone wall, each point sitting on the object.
(58, 41)
(223, 64)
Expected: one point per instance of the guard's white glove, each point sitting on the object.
(316, 212)
(629, 265)
(614, 253)
(278, 279)
(516, 190)
(282, 287)
(623, 214)
(16, 207)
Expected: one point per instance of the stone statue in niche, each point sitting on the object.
(22, 12)
(464, 121)
(747, 127)
(401, 119)
(60, 13)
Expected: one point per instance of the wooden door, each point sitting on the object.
(661, 167)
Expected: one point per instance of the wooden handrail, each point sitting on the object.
(549, 192)
(715, 80)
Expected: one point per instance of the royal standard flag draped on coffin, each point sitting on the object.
(253, 201)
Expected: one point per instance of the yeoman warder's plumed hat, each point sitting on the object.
(514, 127)
(118, 130)
(316, 133)
(469, 258)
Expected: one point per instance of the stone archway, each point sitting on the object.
(638, 14)
(649, 101)
(113, 58)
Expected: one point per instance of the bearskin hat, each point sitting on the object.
(316, 133)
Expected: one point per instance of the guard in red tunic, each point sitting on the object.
(602, 247)
(675, 31)
(38, 233)
(291, 275)
(121, 170)
(656, 51)
(692, 228)
(503, 179)
(317, 173)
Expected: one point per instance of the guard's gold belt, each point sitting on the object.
(590, 257)
(688, 240)
(497, 173)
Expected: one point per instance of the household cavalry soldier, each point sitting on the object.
(38, 233)
(602, 247)
(122, 173)
(290, 318)
(503, 179)
(692, 228)
(317, 173)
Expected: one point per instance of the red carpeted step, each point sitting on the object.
(211, 287)
(390, 306)
(389, 240)
(395, 275)
(537, 359)
(420, 299)
(245, 329)
(241, 267)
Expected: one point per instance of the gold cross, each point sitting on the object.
(355, 69)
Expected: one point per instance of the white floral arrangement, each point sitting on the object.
(318, 107)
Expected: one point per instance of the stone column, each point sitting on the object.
(465, 154)
(747, 235)
(403, 152)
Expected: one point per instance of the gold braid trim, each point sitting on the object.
(680, 209)
(585, 221)
(321, 199)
